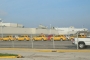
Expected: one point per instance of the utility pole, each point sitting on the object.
(50, 29)
(82, 26)
(1, 27)
(77, 40)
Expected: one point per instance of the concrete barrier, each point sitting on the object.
(8, 57)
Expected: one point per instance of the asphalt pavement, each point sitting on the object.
(38, 44)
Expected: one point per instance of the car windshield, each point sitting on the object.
(28, 36)
(38, 36)
(5, 36)
(21, 36)
(56, 36)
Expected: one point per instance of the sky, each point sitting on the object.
(58, 13)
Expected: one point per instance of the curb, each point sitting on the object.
(63, 51)
(19, 56)
(8, 57)
(46, 50)
(73, 51)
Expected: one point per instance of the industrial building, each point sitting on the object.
(11, 25)
(70, 30)
(14, 28)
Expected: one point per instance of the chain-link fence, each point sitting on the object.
(47, 41)
(38, 42)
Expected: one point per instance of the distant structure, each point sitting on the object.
(11, 25)
(15, 28)
(42, 27)
(70, 30)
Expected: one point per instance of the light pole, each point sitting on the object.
(50, 29)
(77, 40)
(1, 27)
(53, 36)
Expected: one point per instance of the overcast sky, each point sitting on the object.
(58, 13)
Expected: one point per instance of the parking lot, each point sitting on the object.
(38, 44)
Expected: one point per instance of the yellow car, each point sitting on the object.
(27, 38)
(42, 38)
(0, 38)
(23, 37)
(71, 38)
(8, 38)
(58, 37)
(79, 36)
(63, 37)
(11, 37)
(82, 36)
(5, 38)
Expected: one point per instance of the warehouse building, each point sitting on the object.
(14, 28)
(70, 30)
(11, 25)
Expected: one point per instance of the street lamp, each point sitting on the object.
(50, 29)
(1, 27)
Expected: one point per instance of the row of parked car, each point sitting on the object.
(39, 37)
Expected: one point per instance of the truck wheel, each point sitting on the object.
(81, 45)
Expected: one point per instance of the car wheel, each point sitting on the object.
(9, 40)
(67, 39)
(42, 39)
(81, 45)
(33, 39)
(72, 39)
(25, 39)
(52, 39)
(61, 39)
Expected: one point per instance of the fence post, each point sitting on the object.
(53, 43)
(32, 41)
(12, 44)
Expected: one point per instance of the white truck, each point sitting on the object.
(82, 42)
